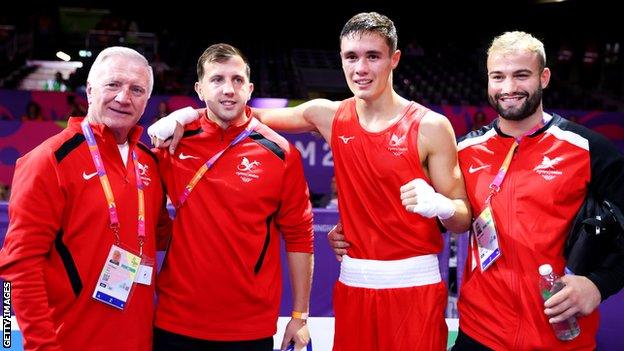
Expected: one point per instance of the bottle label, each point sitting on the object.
(555, 288)
(546, 294)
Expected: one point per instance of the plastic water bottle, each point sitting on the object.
(550, 285)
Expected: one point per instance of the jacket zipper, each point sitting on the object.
(514, 278)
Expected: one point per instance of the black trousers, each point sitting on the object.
(168, 341)
(466, 343)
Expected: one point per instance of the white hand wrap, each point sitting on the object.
(430, 203)
(164, 127)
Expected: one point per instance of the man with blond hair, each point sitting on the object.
(532, 171)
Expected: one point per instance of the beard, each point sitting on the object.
(527, 109)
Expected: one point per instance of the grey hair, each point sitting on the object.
(123, 52)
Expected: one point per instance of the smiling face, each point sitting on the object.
(515, 83)
(225, 88)
(117, 91)
(367, 62)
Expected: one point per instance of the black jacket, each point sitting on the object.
(595, 245)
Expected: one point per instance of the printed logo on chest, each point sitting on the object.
(548, 168)
(397, 145)
(346, 139)
(247, 170)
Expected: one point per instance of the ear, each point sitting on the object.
(89, 92)
(545, 77)
(198, 91)
(251, 88)
(395, 58)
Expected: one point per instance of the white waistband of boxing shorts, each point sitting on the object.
(374, 274)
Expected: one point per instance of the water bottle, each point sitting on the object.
(550, 285)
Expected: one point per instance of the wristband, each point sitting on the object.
(300, 315)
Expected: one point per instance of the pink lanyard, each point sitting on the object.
(108, 192)
(206, 166)
(502, 172)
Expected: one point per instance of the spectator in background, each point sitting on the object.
(159, 66)
(564, 62)
(57, 84)
(5, 192)
(613, 67)
(162, 110)
(132, 34)
(76, 80)
(33, 112)
(75, 109)
(330, 200)
(161, 70)
(479, 119)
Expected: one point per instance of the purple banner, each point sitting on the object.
(18, 138)
(326, 269)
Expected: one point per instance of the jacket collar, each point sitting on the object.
(211, 128)
(553, 121)
(102, 131)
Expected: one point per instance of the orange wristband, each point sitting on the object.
(300, 315)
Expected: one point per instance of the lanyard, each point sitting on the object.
(208, 164)
(502, 172)
(108, 192)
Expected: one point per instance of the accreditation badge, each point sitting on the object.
(146, 271)
(487, 239)
(117, 278)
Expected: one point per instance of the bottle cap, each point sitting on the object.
(545, 269)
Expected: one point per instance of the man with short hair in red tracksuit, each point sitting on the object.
(236, 184)
(87, 205)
